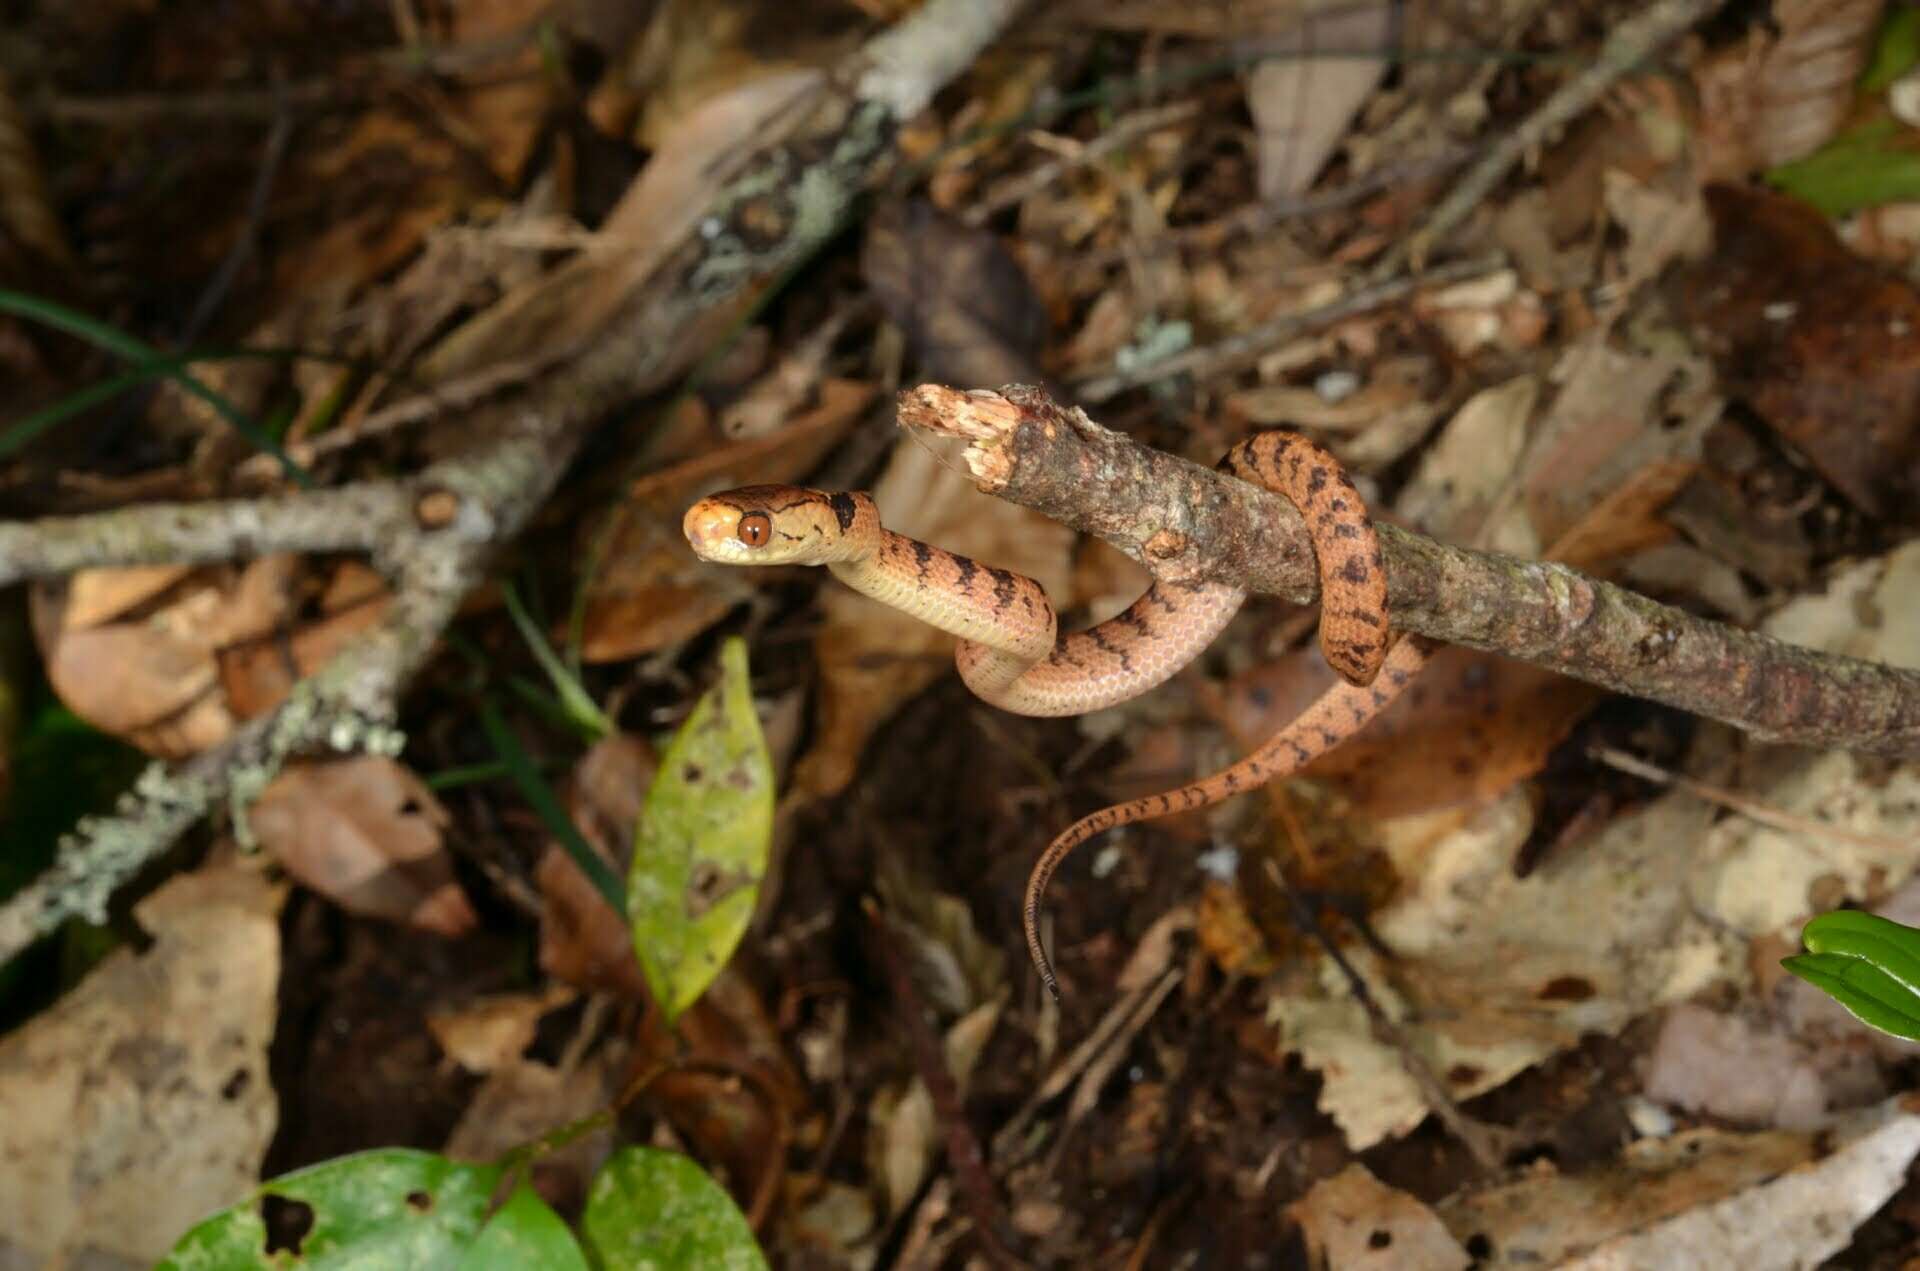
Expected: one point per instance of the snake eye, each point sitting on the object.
(755, 528)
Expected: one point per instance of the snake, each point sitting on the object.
(1012, 654)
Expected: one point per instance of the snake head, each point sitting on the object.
(781, 525)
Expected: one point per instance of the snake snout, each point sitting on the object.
(709, 526)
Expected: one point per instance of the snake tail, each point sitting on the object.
(1333, 717)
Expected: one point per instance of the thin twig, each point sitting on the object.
(1187, 522)
(1630, 44)
(963, 1145)
(1124, 131)
(352, 518)
(24, 207)
(1247, 346)
(520, 448)
(1482, 1141)
(272, 153)
(1753, 809)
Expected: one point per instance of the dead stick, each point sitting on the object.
(1186, 522)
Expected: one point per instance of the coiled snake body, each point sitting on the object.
(1011, 655)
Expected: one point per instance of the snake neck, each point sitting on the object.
(1002, 610)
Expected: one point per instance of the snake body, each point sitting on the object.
(1011, 654)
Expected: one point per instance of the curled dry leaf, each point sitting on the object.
(170, 659)
(366, 833)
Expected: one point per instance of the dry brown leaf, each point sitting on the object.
(1698, 1198)
(494, 1032)
(771, 400)
(960, 296)
(257, 674)
(654, 217)
(1228, 935)
(170, 659)
(522, 1101)
(1353, 1220)
(366, 833)
(1302, 104)
(1597, 434)
(584, 941)
(1806, 81)
(128, 677)
(140, 1102)
(1816, 340)
(903, 1131)
(1626, 521)
(502, 111)
(95, 596)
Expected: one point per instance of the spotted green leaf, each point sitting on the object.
(653, 1210)
(391, 1208)
(701, 847)
(1868, 964)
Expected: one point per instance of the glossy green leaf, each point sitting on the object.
(701, 847)
(527, 1236)
(652, 1210)
(1892, 946)
(391, 1208)
(1868, 964)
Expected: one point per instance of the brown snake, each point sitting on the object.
(1009, 651)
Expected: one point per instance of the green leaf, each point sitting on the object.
(145, 357)
(1895, 51)
(391, 1208)
(527, 1236)
(1868, 964)
(652, 1210)
(701, 847)
(1877, 162)
(582, 710)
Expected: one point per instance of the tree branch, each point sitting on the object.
(1183, 521)
(784, 200)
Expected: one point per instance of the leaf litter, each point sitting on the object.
(1665, 383)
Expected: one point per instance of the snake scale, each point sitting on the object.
(1012, 655)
